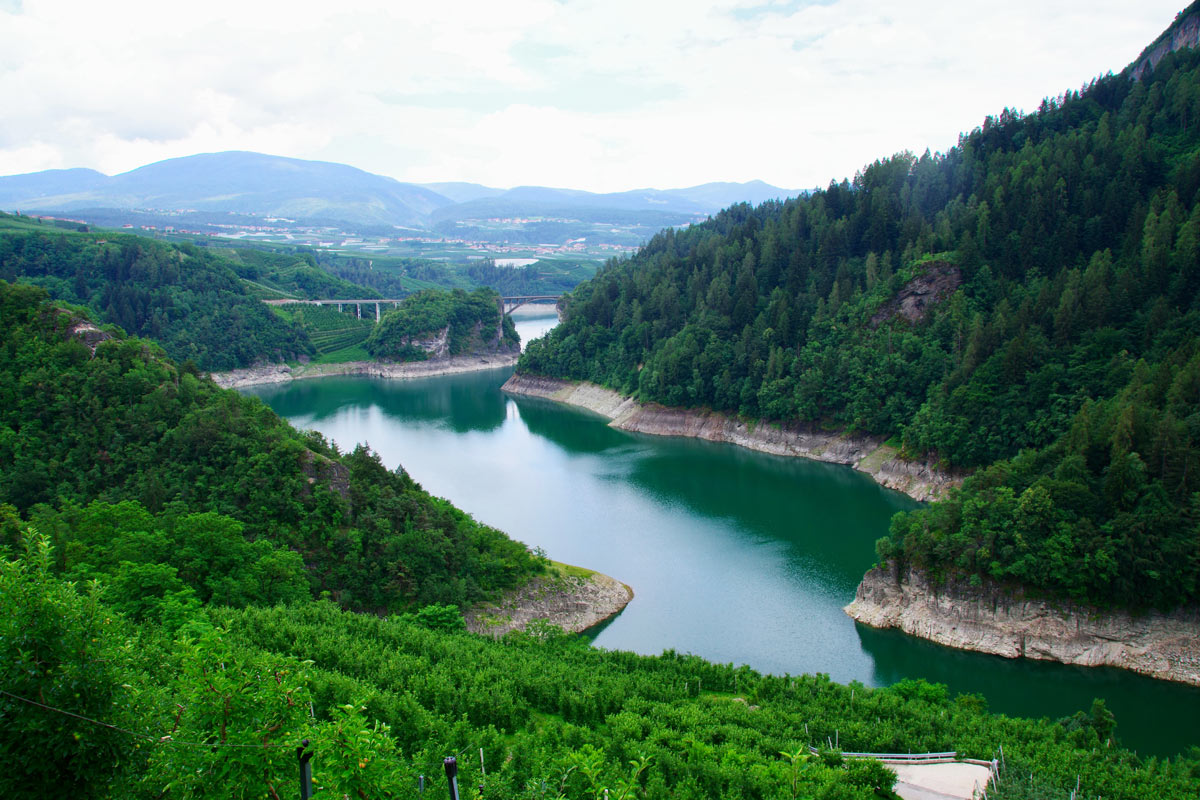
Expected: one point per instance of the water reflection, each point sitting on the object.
(1151, 715)
(561, 425)
(452, 402)
(736, 556)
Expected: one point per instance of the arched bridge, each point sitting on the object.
(506, 305)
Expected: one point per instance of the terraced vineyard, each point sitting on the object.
(333, 333)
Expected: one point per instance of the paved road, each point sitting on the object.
(939, 781)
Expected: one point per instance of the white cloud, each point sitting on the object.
(598, 94)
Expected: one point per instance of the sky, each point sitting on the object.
(602, 95)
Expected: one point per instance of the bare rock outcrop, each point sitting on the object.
(913, 301)
(319, 469)
(82, 329)
(865, 453)
(1183, 32)
(282, 373)
(993, 619)
(573, 603)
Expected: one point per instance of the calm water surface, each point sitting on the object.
(736, 556)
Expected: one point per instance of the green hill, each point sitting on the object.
(188, 299)
(111, 421)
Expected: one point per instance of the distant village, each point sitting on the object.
(414, 242)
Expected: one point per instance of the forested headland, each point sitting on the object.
(436, 323)
(1024, 305)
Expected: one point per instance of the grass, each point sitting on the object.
(876, 459)
(570, 570)
(353, 353)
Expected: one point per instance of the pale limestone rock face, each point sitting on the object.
(864, 453)
(990, 619)
(436, 347)
(573, 604)
(282, 373)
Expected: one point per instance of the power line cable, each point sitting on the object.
(153, 739)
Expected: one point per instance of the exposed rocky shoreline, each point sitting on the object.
(991, 619)
(282, 373)
(572, 602)
(864, 453)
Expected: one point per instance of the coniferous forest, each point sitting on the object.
(189, 588)
(1024, 306)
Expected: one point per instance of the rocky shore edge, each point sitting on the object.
(866, 454)
(282, 373)
(569, 597)
(993, 619)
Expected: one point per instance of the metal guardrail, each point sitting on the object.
(950, 755)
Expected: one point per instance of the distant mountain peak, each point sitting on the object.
(246, 182)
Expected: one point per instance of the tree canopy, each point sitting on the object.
(1034, 288)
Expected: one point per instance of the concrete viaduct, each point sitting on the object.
(505, 305)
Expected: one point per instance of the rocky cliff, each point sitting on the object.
(1183, 32)
(992, 619)
(572, 602)
(867, 454)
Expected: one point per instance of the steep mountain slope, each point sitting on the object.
(1032, 289)
(188, 299)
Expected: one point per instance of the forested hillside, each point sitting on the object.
(1033, 290)
(139, 470)
(187, 299)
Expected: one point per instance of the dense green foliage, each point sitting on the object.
(549, 276)
(156, 562)
(1108, 514)
(398, 277)
(123, 423)
(292, 274)
(1033, 288)
(187, 299)
(212, 704)
(471, 322)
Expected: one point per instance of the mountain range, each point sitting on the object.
(254, 183)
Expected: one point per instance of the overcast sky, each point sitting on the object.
(602, 95)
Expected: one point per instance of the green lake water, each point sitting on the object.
(733, 555)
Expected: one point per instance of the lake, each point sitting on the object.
(733, 555)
